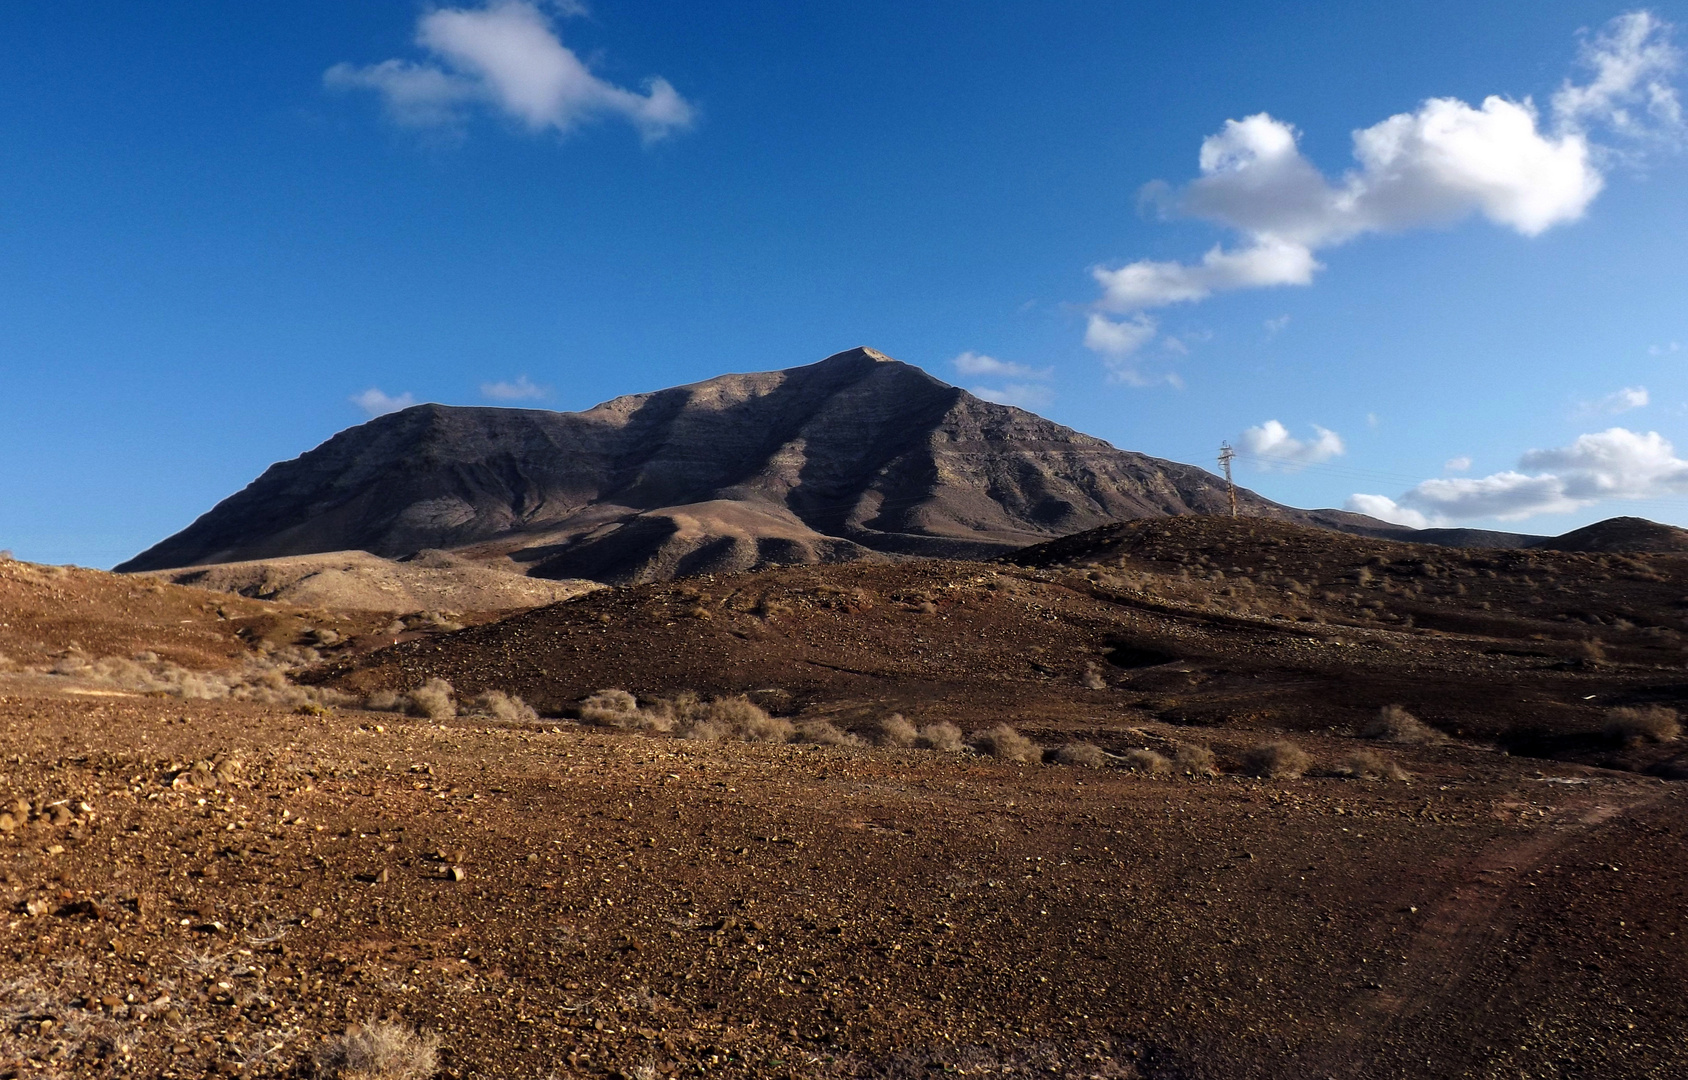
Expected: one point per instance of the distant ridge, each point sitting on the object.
(856, 457)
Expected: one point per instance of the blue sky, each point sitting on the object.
(223, 225)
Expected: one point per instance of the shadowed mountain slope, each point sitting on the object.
(856, 457)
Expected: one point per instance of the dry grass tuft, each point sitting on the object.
(1148, 762)
(501, 706)
(1281, 760)
(1370, 765)
(1086, 755)
(747, 721)
(1397, 725)
(611, 708)
(1646, 723)
(1005, 744)
(434, 700)
(1194, 759)
(942, 735)
(823, 733)
(378, 1051)
(894, 730)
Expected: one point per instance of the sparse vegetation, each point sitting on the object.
(1086, 755)
(824, 733)
(1371, 765)
(1194, 759)
(1647, 723)
(1280, 760)
(943, 736)
(895, 730)
(1005, 744)
(434, 700)
(1143, 760)
(378, 1051)
(1396, 725)
(501, 706)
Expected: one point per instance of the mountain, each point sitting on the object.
(856, 457)
(1619, 534)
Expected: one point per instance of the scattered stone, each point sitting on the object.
(458, 873)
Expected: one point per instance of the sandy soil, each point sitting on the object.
(217, 887)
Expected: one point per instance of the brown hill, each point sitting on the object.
(359, 581)
(1620, 534)
(1249, 625)
(855, 457)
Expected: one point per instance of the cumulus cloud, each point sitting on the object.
(1613, 464)
(376, 403)
(1443, 162)
(1386, 509)
(1618, 401)
(507, 56)
(978, 364)
(1271, 446)
(521, 390)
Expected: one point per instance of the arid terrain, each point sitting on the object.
(1277, 802)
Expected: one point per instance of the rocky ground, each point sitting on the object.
(196, 887)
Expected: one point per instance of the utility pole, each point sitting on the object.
(1226, 456)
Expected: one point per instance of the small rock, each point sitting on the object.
(316, 913)
(458, 873)
(381, 878)
(8, 823)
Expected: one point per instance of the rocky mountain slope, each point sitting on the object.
(856, 457)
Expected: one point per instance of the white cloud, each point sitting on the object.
(1024, 395)
(1664, 350)
(1276, 326)
(376, 403)
(1272, 446)
(1613, 464)
(1618, 401)
(1386, 509)
(1372, 420)
(520, 390)
(978, 364)
(1633, 61)
(507, 55)
(1443, 162)
(1457, 464)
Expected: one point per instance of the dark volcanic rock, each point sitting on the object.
(1620, 534)
(858, 456)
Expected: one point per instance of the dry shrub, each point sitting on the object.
(261, 679)
(1397, 725)
(501, 706)
(1194, 759)
(1093, 679)
(1086, 755)
(1370, 765)
(1646, 723)
(742, 719)
(384, 701)
(1146, 761)
(894, 730)
(433, 700)
(823, 733)
(703, 731)
(610, 708)
(378, 1051)
(1005, 744)
(1282, 760)
(942, 735)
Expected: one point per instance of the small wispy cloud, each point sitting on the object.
(1271, 446)
(1275, 326)
(1019, 392)
(376, 403)
(1021, 395)
(1618, 401)
(522, 389)
(1664, 350)
(1457, 464)
(506, 55)
(980, 365)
